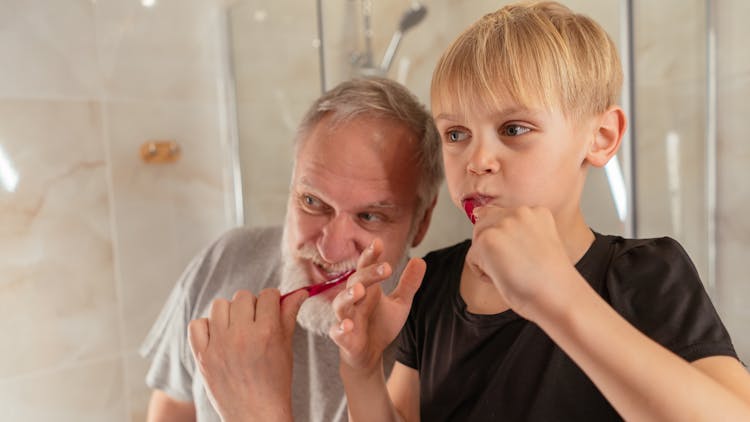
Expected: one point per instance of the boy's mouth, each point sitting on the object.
(471, 202)
(469, 209)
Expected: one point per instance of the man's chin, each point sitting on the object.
(331, 293)
(316, 314)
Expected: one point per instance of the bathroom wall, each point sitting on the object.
(733, 171)
(276, 80)
(670, 121)
(674, 183)
(91, 237)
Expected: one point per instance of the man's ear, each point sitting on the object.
(424, 224)
(607, 136)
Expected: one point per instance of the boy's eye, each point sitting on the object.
(456, 135)
(514, 130)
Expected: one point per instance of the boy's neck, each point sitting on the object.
(576, 237)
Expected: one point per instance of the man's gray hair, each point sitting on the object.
(383, 98)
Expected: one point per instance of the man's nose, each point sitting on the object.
(338, 239)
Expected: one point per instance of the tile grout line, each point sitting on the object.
(117, 276)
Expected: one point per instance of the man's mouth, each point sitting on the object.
(315, 289)
(323, 274)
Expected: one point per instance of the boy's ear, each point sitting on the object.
(607, 136)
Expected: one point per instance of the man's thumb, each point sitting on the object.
(289, 309)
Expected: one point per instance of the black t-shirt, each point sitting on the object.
(502, 367)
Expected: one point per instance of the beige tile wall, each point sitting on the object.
(671, 84)
(733, 194)
(92, 238)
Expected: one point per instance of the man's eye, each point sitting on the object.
(456, 135)
(514, 130)
(311, 201)
(369, 217)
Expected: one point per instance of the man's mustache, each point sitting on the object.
(310, 253)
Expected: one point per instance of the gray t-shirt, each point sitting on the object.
(248, 259)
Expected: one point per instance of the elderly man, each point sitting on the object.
(367, 165)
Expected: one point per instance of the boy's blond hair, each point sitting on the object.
(540, 53)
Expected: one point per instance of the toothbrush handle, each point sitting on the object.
(321, 287)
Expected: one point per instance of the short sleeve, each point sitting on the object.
(172, 367)
(655, 286)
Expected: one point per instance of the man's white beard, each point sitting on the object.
(316, 314)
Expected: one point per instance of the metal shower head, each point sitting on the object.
(409, 19)
(412, 17)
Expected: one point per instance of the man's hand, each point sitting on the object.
(244, 352)
(370, 320)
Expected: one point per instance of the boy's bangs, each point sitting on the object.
(463, 90)
(483, 71)
(540, 56)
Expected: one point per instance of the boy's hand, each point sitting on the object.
(369, 320)
(520, 251)
(244, 352)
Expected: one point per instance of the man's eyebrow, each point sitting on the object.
(307, 185)
(383, 205)
(303, 181)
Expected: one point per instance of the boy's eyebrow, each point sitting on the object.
(499, 113)
(447, 116)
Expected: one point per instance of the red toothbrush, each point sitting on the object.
(469, 209)
(321, 287)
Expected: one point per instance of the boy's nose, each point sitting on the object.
(337, 241)
(483, 159)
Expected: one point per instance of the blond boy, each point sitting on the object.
(537, 317)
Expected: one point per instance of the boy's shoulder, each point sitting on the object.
(651, 263)
(657, 248)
